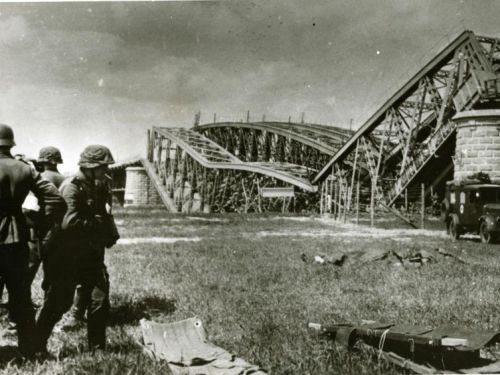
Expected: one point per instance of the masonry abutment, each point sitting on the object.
(139, 190)
(478, 144)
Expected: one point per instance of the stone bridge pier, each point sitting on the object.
(478, 144)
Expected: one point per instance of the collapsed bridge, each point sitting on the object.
(240, 166)
(269, 166)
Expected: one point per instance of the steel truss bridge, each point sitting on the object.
(410, 139)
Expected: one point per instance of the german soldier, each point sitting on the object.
(87, 229)
(16, 180)
(48, 159)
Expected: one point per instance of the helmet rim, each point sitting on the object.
(94, 156)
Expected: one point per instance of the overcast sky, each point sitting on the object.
(75, 74)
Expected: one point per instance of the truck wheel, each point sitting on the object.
(486, 236)
(453, 230)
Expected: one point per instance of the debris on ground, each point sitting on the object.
(335, 259)
(373, 255)
(421, 349)
(186, 349)
(417, 258)
(448, 254)
(405, 258)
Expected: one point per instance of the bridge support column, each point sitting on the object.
(478, 144)
(139, 191)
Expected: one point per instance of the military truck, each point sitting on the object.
(472, 208)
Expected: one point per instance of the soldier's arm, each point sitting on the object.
(75, 217)
(49, 199)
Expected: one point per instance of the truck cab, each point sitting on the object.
(472, 208)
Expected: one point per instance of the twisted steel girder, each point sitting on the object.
(415, 121)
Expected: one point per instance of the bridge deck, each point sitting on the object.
(211, 155)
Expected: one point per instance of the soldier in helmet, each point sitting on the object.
(17, 179)
(48, 159)
(87, 229)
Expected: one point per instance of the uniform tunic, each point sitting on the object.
(37, 245)
(53, 176)
(17, 179)
(82, 241)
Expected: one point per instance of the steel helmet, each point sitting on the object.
(6, 136)
(95, 155)
(50, 155)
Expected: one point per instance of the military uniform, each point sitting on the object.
(83, 238)
(39, 236)
(48, 157)
(53, 176)
(16, 180)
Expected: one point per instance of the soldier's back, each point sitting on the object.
(16, 179)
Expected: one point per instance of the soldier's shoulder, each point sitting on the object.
(52, 176)
(22, 166)
(19, 170)
(18, 162)
(23, 161)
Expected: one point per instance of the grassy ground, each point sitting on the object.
(244, 276)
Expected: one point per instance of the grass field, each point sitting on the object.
(244, 276)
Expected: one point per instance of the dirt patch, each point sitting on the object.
(124, 222)
(350, 230)
(212, 219)
(289, 218)
(140, 240)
